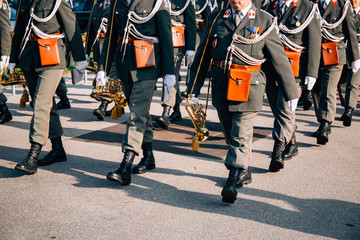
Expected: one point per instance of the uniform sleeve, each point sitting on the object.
(313, 45)
(19, 32)
(350, 35)
(275, 51)
(5, 33)
(72, 31)
(163, 22)
(190, 27)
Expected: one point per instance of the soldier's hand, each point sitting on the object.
(309, 82)
(169, 83)
(193, 99)
(355, 65)
(188, 56)
(81, 66)
(292, 104)
(101, 79)
(11, 67)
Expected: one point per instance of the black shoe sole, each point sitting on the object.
(143, 170)
(23, 169)
(307, 105)
(65, 107)
(178, 119)
(115, 178)
(99, 116)
(293, 154)
(322, 139)
(346, 121)
(275, 167)
(5, 120)
(162, 124)
(40, 163)
(228, 196)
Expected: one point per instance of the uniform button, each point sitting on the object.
(144, 11)
(215, 35)
(116, 12)
(43, 9)
(257, 82)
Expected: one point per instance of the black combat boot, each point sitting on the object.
(5, 114)
(322, 135)
(100, 113)
(176, 115)
(229, 192)
(291, 149)
(57, 153)
(147, 162)
(123, 174)
(63, 103)
(347, 116)
(30, 163)
(307, 99)
(277, 162)
(163, 121)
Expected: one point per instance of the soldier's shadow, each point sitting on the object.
(321, 217)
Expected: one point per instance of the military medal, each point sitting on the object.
(214, 43)
(166, 4)
(333, 2)
(295, 3)
(254, 32)
(227, 13)
(276, 4)
(100, 6)
(251, 14)
(297, 17)
(4, 6)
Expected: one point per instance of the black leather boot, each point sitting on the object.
(176, 115)
(163, 121)
(64, 103)
(322, 135)
(347, 117)
(100, 113)
(229, 192)
(291, 149)
(57, 153)
(5, 114)
(307, 99)
(123, 174)
(30, 163)
(147, 162)
(277, 162)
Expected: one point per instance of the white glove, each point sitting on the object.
(81, 66)
(310, 82)
(11, 67)
(292, 104)
(101, 79)
(193, 99)
(169, 83)
(188, 55)
(355, 65)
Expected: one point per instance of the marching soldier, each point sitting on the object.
(351, 79)
(202, 11)
(140, 35)
(95, 41)
(61, 92)
(184, 38)
(39, 51)
(299, 32)
(237, 41)
(337, 26)
(5, 37)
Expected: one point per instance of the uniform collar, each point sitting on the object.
(357, 10)
(326, 1)
(288, 2)
(244, 11)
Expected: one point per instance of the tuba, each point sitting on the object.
(16, 78)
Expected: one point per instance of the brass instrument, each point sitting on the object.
(16, 78)
(198, 118)
(112, 91)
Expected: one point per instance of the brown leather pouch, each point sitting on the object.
(201, 24)
(239, 85)
(294, 59)
(330, 53)
(144, 53)
(178, 36)
(49, 51)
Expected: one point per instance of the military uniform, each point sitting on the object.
(324, 91)
(186, 18)
(237, 118)
(5, 37)
(351, 83)
(43, 80)
(138, 83)
(202, 11)
(297, 15)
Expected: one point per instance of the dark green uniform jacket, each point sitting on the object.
(5, 29)
(310, 37)
(199, 4)
(63, 21)
(158, 26)
(216, 49)
(188, 19)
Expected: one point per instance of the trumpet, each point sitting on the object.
(16, 78)
(112, 91)
(198, 118)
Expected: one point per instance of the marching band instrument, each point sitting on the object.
(16, 78)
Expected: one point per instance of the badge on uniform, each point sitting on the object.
(297, 17)
(254, 32)
(251, 14)
(334, 2)
(4, 6)
(166, 4)
(295, 3)
(214, 43)
(227, 13)
(276, 4)
(100, 6)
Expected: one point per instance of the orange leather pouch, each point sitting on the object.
(239, 85)
(49, 51)
(330, 53)
(294, 59)
(178, 36)
(201, 25)
(144, 53)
